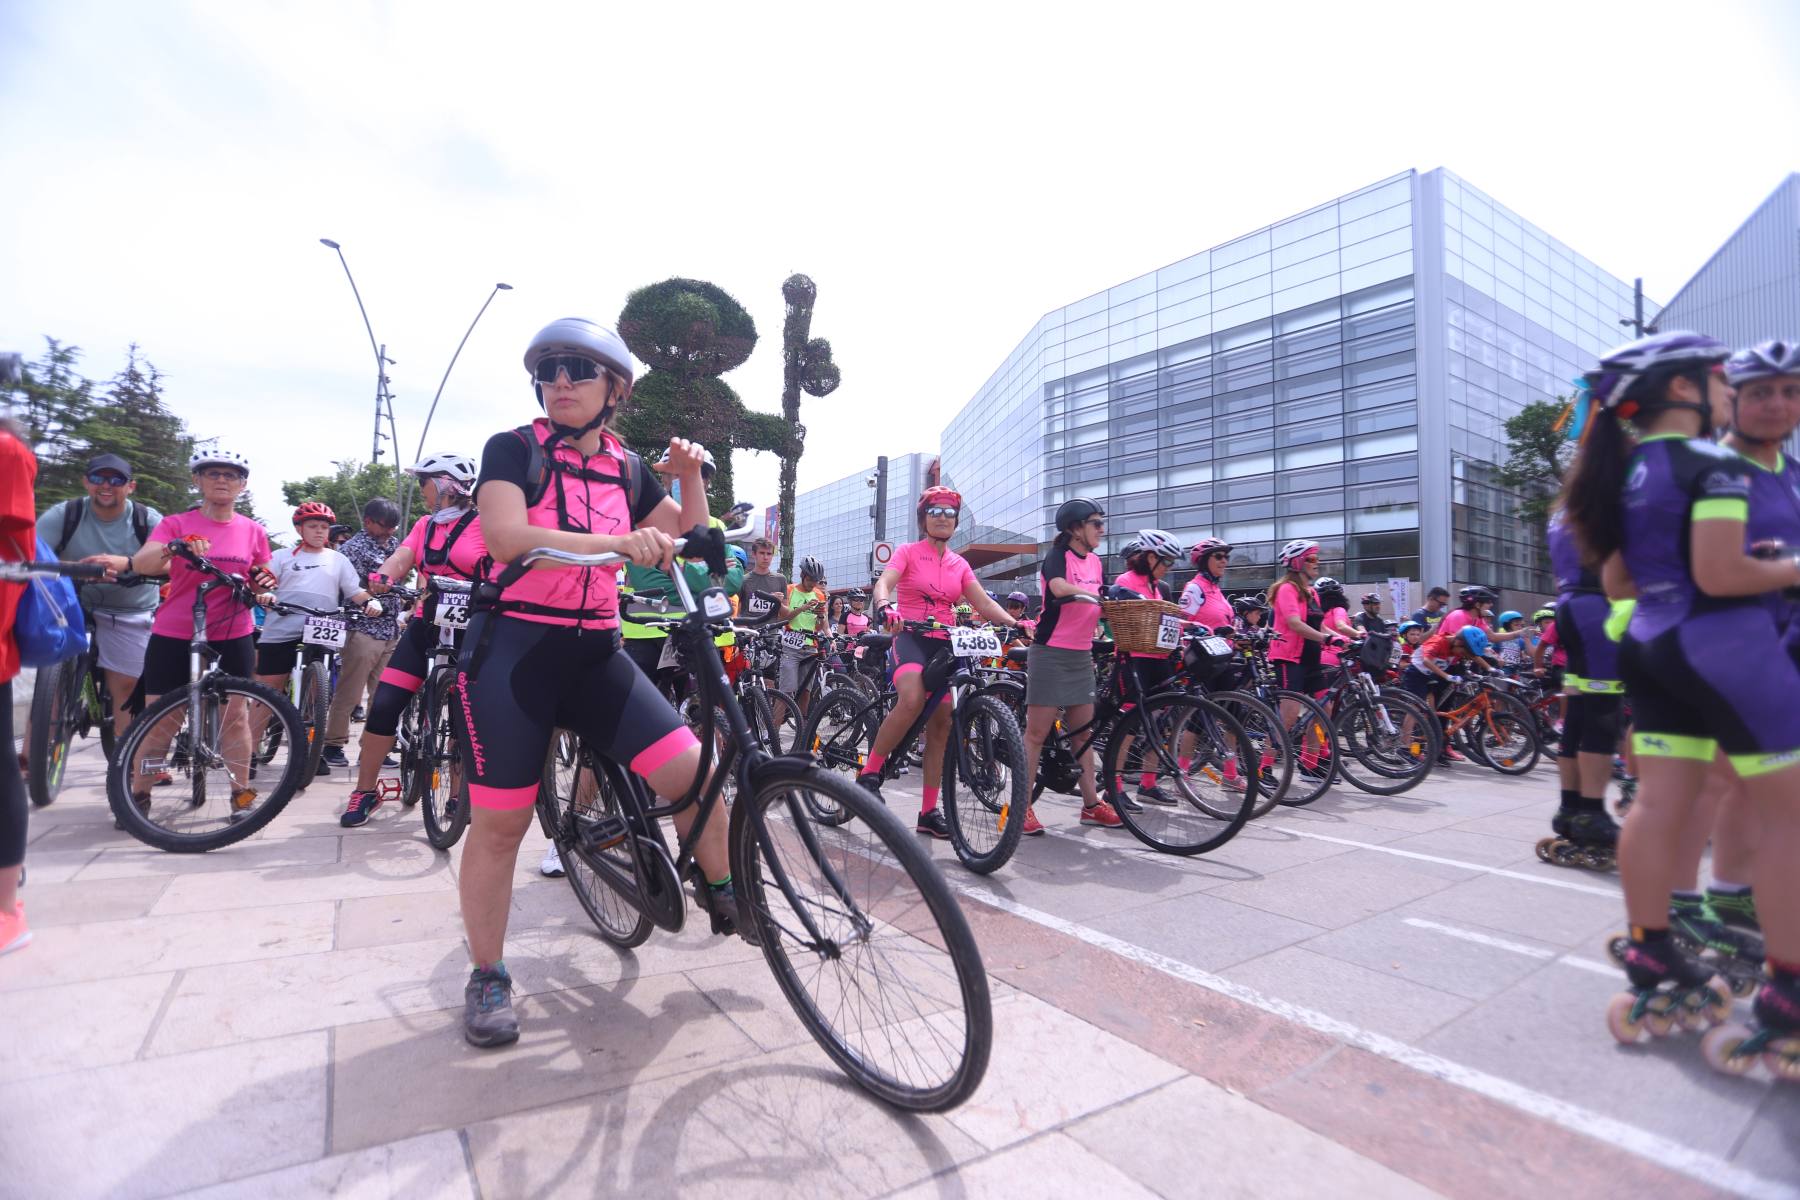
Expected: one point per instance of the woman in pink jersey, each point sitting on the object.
(1203, 600)
(542, 649)
(445, 543)
(1336, 622)
(1299, 636)
(1148, 557)
(925, 580)
(236, 545)
(1059, 668)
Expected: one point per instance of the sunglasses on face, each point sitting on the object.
(1224, 554)
(107, 479)
(222, 475)
(938, 510)
(577, 368)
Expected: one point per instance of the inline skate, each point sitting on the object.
(1735, 954)
(1668, 990)
(1774, 1038)
(1582, 839)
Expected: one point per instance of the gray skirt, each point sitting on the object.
(1057, 677)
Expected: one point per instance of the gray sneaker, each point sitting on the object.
(488, 1017)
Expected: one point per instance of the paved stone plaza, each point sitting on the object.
(1370, 997)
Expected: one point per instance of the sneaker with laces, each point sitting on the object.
(242, 801)
(1101, 814)
(334, 757)
(1451, 755)
(488, 1017)
(361, 805)
(356, 714)
(872, 785)
(1033, 827)
(552, 864)
(13, 933)
(933, 823)
(1155, 795)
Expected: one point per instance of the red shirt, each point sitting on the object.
(18, 538)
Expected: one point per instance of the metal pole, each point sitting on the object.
(380, 395)
(432, 411)
(881, 481)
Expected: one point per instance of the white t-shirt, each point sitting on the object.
(317, 579)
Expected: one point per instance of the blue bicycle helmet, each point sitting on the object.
(1406, 625)
(1508, 616)
(1475, 638)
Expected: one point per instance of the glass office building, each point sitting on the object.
(1343, 375)
(836, 522)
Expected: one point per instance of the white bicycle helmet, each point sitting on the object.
(707, 466)
(1767, 360)
(1295, 550)
(217, 458)
(458, 467)
(1159, 543)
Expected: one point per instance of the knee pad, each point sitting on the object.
(1574, 725)
(1603, 725)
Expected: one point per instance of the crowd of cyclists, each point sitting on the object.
(1668, 657)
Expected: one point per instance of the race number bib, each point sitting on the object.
(759, 604)
(1216, 646)
(328, 632)
(1168, 632)
(671, 657)
(974, 643)
(453, 610)
(795, 639)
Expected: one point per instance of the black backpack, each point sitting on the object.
(73, 510)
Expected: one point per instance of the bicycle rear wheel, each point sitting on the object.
(572, 799)
(984, 784)
(864, 938)
(838, 734)
(1315, 748)
(1268, 741)
(56, 709)
(216, 799)
(439, 780)
(1388, 747)
(315, 700)
(1507, 736)
(409, 747)
(1184, 742)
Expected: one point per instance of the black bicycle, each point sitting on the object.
(201, 733)
(69, 700)
(983, 790)
(863, 936)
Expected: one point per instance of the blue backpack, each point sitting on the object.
(49, 627)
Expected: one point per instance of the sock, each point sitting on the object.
(499, 964)
(719, 885)
(1186, 761)
(931, 799)
(1719, 887)
(1268, 760)
(872, 764)
(1231, 771)
(1309, 759)
(1649, 936)
(1570, 800)
(1147, 780)
(1589, 804)
(1680, 900)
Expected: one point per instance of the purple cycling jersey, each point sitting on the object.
(1775, 517)
(1572, 575)
(1671, 483)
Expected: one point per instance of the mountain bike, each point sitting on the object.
(227, 789)
(1387, 742)
(309, 683)
(1308, 725)
(864, 938)
(1492, 726)
(430, 726)
(983, 788)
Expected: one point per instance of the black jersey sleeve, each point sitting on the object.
(505, 457)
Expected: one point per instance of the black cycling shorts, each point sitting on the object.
(1298, 677)
(403, 676)
(166, 661)
(912, 652)
(536, 678)
(278, 658)
(1714, 681)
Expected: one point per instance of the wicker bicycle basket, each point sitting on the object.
(1134, 623)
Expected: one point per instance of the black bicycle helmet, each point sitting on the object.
(1075, 510)
(812, 568)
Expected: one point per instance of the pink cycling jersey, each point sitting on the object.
(930, 583)
(236, 546)
(855, 623)
(1146, 587)
(1328, 655)
(1203, 602)
(1460, 619)
(426, 541)
(1072, 623)
(1289, 602)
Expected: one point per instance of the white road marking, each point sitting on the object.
(1696, 1164)
(1567, 885)
(1484, 939)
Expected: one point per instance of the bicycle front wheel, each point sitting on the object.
(443, 792)
(1507, 736)
(1387, 747)
(1315, 746)
(1269, 744)
(315, 700)
(56, 708)
(1205, 773)
(984, 784)
(573, 803)
(223, 792)
(837, 736)
(864, 938)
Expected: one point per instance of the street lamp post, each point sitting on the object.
(432, 411)
(384, 400)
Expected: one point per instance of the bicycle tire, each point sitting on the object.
(563, 804)
(55, 697)
(1212, 811)
(887, 920)
(314, 704)
(1385, 764)
(984, 810)
(443, 789)
(409, 741)
(1010, 693)
(1521, 749)
(838, 733)
(761, 715)
(103, 710)
(790, 723)
(1275, 753)
(1311, 726)
(217, 690)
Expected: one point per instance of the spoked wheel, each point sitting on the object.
(1507, 738)
(223, 792)
(439, 777)
(786, 720)
(1315, 746)
(1269, 744)
(1186, 742)
(837, 736)
(56, 712)
(573, 801)
(315, 701)
(984, 784)
(409, 747)
(864, 938)
(1387, 747)
(761, 715)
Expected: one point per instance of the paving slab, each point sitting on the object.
(135, 858)
(1205, 930)
(114, 1015)
(431, 1165)
(78, 903)
(227, 889)
(1057, 1166)
(1377, 1000)
(1253, 1153)
(1386, 944)
(1341, 890)
(1552, 915)
(160, 1126)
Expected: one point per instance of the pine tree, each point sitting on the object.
(135, 424)
(58, 402)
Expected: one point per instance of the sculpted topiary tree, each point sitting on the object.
(807, 367)
(691, 332)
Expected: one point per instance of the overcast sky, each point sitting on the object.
(945, 172)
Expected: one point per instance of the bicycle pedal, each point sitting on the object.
(603, 834)
(388, 789)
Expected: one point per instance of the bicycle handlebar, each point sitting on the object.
(19, 572)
